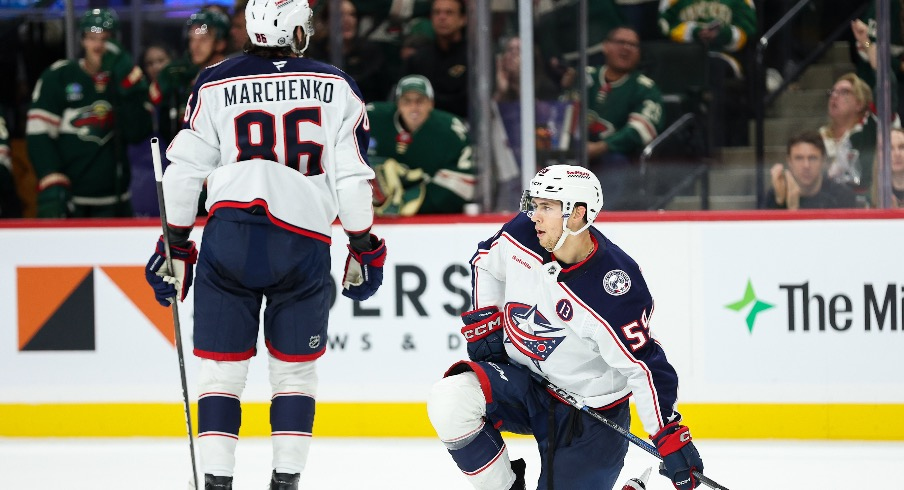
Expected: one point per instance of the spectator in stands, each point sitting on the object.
(642, 16)
(143, 185)
(897, 170)
(208, 30)
(865, 32)
(802, 185)
(238, 35)
(155, 57)
(508, 74)
(361, 59)
(445, 61)
(724, 27)
(850, 135)
(624, 112)
(10, 205)
(421, 155)
(83, 115)
(557, 31)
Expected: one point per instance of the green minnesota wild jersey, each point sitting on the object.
(79, 125)
(441, 149)
(682, 20)
(626, 114)
(170, 95)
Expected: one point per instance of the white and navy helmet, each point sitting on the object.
(272, 23)
(570, 185)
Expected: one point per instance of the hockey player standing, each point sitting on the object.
(208, 31)
(553, 297)
(282, 142)
(82, 116)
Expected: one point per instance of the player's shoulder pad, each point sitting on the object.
(645, 81)
(57, 65)
(521, 229)
(311, 65)
(621, 276)
(441, 122)
(381, 109)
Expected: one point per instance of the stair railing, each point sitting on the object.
(700, 172)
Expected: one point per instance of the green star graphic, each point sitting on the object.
(758, 306)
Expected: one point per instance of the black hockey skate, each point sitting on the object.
(217, 482)
(518, 466)
(284, 481)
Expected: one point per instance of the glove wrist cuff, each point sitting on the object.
(480, 323)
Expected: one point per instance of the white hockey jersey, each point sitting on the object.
(288, 134)
(585, 328)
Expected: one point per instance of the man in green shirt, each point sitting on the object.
(421, 155)
(82, 116)
(208, 43)
(625, 114)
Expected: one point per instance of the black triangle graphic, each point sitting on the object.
(71, 327)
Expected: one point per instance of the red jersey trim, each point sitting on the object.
(225, 356)
(276, 221)
(294, 357)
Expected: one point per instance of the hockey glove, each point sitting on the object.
(166, 282)
(484, 333)
(364, 270)
(54, 197)
(679, 456)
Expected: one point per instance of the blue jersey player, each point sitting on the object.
(553, 297)
(281, 142)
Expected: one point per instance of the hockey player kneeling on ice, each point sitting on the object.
(553, 297)
(281, 142)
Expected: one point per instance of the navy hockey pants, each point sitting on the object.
(577, 452)
(244, 257)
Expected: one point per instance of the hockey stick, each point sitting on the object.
(646, 446)
(158, 176)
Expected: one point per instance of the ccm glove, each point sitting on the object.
(166, 282)
(484, 333)
(364, 270)
(679, 456)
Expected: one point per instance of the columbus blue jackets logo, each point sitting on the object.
(524, 326)
(617, 282)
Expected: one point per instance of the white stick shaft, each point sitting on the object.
(155, 156)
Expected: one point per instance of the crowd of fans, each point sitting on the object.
(89, 120)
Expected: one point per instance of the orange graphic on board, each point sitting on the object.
(56, 305)
(56, 308)
(131, 282)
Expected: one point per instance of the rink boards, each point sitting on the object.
(780, 325)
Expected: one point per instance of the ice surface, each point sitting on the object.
(399, 464)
